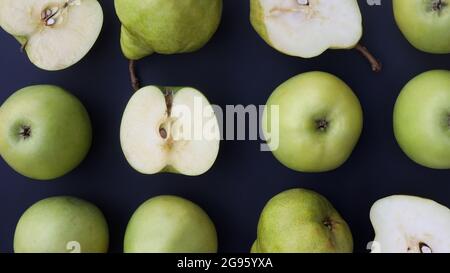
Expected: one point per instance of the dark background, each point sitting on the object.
(236, 67)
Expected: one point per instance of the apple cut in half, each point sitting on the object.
(55, 34)
(409, 224)
(170, 130)
(306, 28)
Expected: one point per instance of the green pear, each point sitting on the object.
(170, 224)
(45, 132)
(301, 221)
(425, 23)
(317, 125)
(62, 224)
(422, 119)
(166, 26)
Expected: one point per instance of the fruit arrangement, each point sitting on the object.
(314, 124)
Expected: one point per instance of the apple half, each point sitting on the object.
(307, 28)
(55, 34)
(170, 130)
(409, 224)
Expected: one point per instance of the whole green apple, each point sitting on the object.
(422, 119)
(301, 221)
(166, 26)
(45, 132)
(62, 224)
(312, 122)
(170, 224)
(425, 23)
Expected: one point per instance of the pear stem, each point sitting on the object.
(376, 65)
(134, 79)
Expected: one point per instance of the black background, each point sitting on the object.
(236, 67)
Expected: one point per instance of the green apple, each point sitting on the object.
(307, 28)
(45, 132)
(170, 130)
(170, 224)
(409, 224)
(55, 34)
(301, 221)
(422, 119)
(166, 26)
(425, 23)
(61, 224)
(312, 122)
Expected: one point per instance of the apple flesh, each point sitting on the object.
(425, 23)
(422, 119)
(45, 132)
(170, 130)
(319, 122)
(301, 221)
(170, 224)
(61, 225)
(409, 224)
(54, 33)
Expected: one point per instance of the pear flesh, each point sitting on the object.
(170, 130)
(55, 34)
(409, 224)
(306, 28)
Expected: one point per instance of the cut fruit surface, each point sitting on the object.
(170, 130)
(306, 28)
(408, 224)
(55, 34)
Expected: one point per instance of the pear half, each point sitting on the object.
(170, 130)
(306, 28)
(54, 33)
(409, 224)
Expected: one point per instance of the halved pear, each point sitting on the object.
(170, 130)
(409, 224)
(54, 33)
(307, 28)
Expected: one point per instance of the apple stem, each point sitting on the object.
(24, 45)
(134, 79)
(376, 65)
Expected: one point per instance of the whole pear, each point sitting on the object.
(301, 221)
(166, 26)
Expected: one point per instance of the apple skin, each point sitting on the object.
(422, 119)
(424, 28)
(166, 26)
(60, 132)
(51, 224)
(303, 101)
(295, 221)
(170, 224)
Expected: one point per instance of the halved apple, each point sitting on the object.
(409, 224)
(54, 33)
(170, 130)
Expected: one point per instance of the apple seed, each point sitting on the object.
(424, 248)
